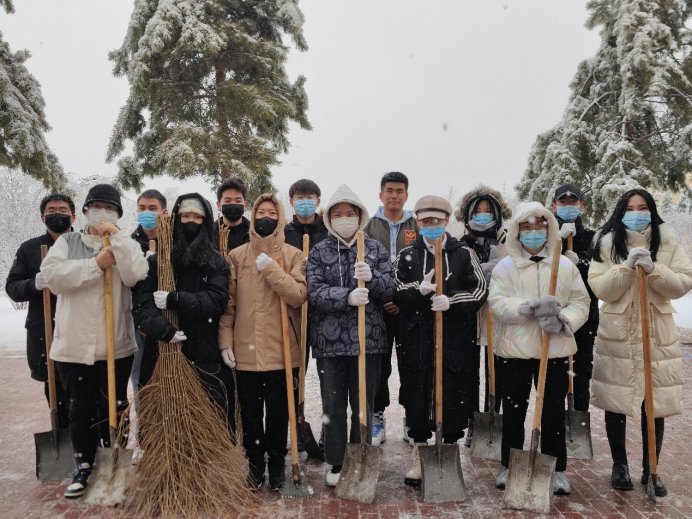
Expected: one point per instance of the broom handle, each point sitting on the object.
(110, 339)
(362, 387)
(491, 357)
(570, 390)
(289, 377)
(439, 276)
(303, 331)
(152, 245)
(48, 319)
(554, 267)
(648, 382)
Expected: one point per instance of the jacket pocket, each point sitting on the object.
(664, 330)
(615, 321)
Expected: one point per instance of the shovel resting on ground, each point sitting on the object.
(442, 479)
(487, 427)
(531, 474)
(361, 467)
(107, 481)
(54, 454)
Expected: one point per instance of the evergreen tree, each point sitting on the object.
(629, 117)
(22, 119)
(209, 94)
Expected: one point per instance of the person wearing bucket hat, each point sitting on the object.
(103, 193)
(464, 293)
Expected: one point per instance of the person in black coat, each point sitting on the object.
(305, 199)
(25, 283)
(200, 298)
(568, 204)
(464, 292)
(231, 201)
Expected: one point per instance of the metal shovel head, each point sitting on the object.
(53, 464)
(300, 490)
(651, 488)
(359, 473)
(307, 440)
(527, 488)
(578, 435)
(442, 480)
(486, 442)
(106, 486)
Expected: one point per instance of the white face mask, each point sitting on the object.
(346, 226)
(97, 215)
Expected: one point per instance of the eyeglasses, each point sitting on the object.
(62, 210)
(538, 226)
(431, 222)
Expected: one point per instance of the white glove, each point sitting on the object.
(149, 253)
(228, 357)
(440, 303)
(359, 297)
(426, 287)
(362, 271)
(263, 261)
(635, 254)
(178, 337)
(572, 256)
(40, 282)
(567, 229)
(646, 263)
(160, 297)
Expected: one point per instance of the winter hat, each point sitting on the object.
(103, 193)
(431, 206)
(191, 205)
(566, 190)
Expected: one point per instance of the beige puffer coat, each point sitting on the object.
(618, 371)
(252, 322)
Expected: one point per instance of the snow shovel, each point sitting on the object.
(442, 479)
(107, 481)
(297, 485)
(531, 474)
(648, 386)
(577, 423)
(54, 454)
(361, 467)
(487, 427)
(305, 436)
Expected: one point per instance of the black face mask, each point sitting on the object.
(191, 230)
(265, 226)
(57, 222)
(233, 212)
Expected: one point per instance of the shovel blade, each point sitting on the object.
(108, 478)
(530, 488)
(293, 490)
(359, 473)
(307, 440)
(651, 488)
(487, 436)
(442, 480)
(578, 435)
(53, 464)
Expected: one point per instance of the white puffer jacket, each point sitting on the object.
(618, 371)
(516, 280)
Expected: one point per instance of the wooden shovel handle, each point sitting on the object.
(110, 339)
(362, 386)
(303, 331)
(439, 280)
(570, 246)
(648, 379)
(48, 320)
(152, 245)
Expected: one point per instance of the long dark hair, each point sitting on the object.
(614, 224)
(198, 253)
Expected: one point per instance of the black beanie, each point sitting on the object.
(103, 193)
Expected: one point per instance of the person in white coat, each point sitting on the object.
(633, 236)
(74, 271)
(523, 311)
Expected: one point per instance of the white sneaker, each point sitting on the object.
(406, 437)
(332, 479)
(379, 429)
(501, 479)
(561, 484)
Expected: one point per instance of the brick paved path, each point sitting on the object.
(24, 412)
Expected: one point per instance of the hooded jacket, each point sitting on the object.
(393, 236)
(331, 267)
(516, 280)
(200, 299)
(618, 368)
(251, 324)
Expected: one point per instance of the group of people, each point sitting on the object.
(232, 273)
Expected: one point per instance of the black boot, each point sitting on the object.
(620, 478)
(277, 474)
(659, 489)
(79, 482)
(256, 477)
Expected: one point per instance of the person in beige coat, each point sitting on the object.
(250, 335)
(636, 235)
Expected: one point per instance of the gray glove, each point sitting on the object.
(554, 324)
(546, 305)
(572, 256)
(488, 267)
(635, 254)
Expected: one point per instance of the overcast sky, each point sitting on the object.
(449, 92)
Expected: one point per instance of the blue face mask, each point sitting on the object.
(432, 233)
(305, 207)
(533, 239)
(147, 219)
(483, 218)
(636, 221)
(568, 213)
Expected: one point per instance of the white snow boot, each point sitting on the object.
(414, 476)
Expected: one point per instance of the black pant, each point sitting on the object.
(382, 396)
(63, 412)
(583, 365)
(616, 426)
(476, 383)
(86, 390)
(498, 388)
(516, 376)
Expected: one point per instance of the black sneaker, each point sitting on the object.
(660, 489)
(277, 474)
(620, 477)
(79, 482)
(255, 478)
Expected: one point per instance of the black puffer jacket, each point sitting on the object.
(294, 232)
(140, 237)
(237, 236)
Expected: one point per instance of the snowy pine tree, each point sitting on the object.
(629, 117)
(209, 94)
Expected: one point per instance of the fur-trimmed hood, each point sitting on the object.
(523, 213)
(482, 191)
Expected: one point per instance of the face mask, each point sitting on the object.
(636, 221)
(233, 212)
(346, 226)
(191, 230)
(265, 226)
(305, 207)
(147, 219)
(57, 222)
(432, 233)
(533, 239)
(483, 218)
(96, 216)
(568, 213)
